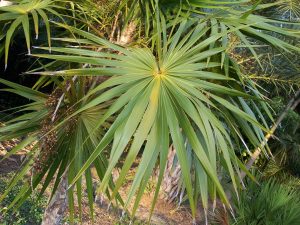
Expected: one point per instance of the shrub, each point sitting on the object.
(30, 213)
(270, 203)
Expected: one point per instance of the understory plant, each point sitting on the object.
(268, 203)
(285, 166)
(31, 212)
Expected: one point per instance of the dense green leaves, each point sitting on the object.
(20, 15)
(270, 203)
(31, 15)
(54, 148)
(177, 85)
(181, 88)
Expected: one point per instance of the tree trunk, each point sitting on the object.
(170, 184)
(127, 34)
(291, 106)
(55, 210)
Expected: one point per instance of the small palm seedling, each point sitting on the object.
(270, 204)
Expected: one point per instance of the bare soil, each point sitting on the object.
(165, 213)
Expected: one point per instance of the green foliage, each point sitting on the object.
(31, 212)
(286, 146)
(166, 90)
(32, 15)
(290, 9)
(269, 203)
(290, 124)
(281, 170)
(56, 145)
(183, 87)
(13, 16)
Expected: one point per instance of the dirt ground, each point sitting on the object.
(165, 213)
(12, 163)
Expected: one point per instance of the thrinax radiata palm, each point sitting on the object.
(175, 84)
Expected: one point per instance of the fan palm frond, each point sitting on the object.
(290, 9)
(220, 16)
(172, 95)
(16, 15)
(182, 89)
(56, 151)
(24, 13)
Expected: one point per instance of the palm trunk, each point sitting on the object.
(55, 210)
(126, 35)
(170, 183)
(291, 106)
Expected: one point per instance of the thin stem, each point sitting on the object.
(291, 106)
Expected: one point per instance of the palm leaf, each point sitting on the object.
(175, 85)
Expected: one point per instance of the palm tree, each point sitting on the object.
(176, 83)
